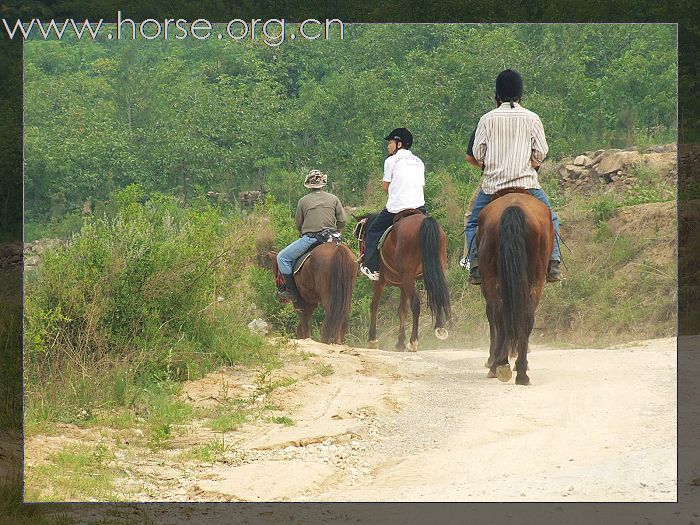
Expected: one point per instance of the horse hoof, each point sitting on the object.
(524, 381)
(489, 363)
(413, 347)
(373, 344)
(441, 333)
(504, 373)
(490, 375)
(400, 348)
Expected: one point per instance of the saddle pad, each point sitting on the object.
(300, 261)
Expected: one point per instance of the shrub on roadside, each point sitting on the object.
(157, 294)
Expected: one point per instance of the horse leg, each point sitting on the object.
(500, 368)
(304, 328)
(378, 287)
(403, 311)
(342, 331)
(326, 336)
(521, 377)
(415, 308)
(521, 366)
(493, 336)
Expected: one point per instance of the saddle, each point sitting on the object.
(360, 232)
(405, 213)
(322, 237)
(506, 191)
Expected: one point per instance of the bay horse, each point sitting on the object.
(416, 247)
(327, 277)
(515, 238)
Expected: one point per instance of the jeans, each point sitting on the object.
(287, 257)
(482, 200)
(374, 233)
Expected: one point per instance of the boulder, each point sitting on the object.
(616, 161)
(582, 160)
(259, 326)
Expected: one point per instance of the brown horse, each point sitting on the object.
(415, 247)
(327, 278)
(515, 238)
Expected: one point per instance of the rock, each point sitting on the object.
(259, 326)
(598, 152)
(575, 171)
(615, 162)
(581, 160)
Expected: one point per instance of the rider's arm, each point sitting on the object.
(478, 152)
(539, 143)
(340, 216)
(471, 160)
(389, 164)
(299, 218)
(470, 152)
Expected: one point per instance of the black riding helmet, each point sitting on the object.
(509, 86)
(401, 135)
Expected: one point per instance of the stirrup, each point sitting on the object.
(288, 295)
(474, 275)
(554, 273)
(373, 276)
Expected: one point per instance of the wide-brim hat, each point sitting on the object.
(315, 179)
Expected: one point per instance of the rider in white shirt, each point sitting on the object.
(404, 179)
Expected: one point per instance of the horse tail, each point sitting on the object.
(341, 291)
(513, 281)
(433, 273)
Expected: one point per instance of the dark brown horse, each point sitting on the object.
(515, 238)
(327, 278)
(415, 247)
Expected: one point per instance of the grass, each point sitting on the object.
(227, 422)
(322, 369)
(77, 473)
(209, 452)
(10, 365)
(282, 420)
(13, 512)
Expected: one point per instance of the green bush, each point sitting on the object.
(604, 209)
(158, 293)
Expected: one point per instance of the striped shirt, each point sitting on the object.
(505, 140)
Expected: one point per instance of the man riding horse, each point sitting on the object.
(403, 181)
(319, 214)
(508, 145)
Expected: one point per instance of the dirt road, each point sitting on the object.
(596, 425)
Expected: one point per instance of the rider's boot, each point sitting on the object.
(291, 293)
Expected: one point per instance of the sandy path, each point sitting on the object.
(596, 425)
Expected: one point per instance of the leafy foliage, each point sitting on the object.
(184, 118)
